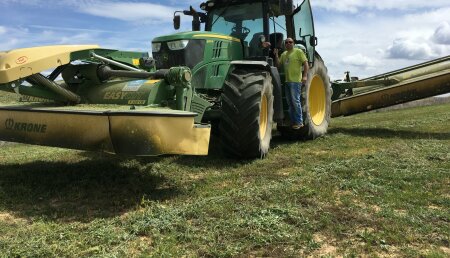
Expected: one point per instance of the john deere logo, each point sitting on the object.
(10, 124)
(165, 57)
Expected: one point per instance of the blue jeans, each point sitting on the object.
(293, 94)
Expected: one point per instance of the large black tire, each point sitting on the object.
(316, 104)
(247, 110)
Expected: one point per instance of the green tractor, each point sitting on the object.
(237, 76)
(129, 103)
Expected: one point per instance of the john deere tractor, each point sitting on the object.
(129, 103)
(237, 76)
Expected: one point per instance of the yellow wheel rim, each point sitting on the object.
(263, 117)
(317, 100)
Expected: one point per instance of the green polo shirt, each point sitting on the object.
(293, 64)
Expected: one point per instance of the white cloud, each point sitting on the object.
(408, 49)
(353, 6)
(442, 50)
(395, 39)
(422, 46)
(81, 38)
(129, 11)
(359, 60)
(418, 24)
(69, 29)
(187, 3)
(8, 44)
(428, 16)
(2, 30)
(135, 11)
(15, 37)
(442, 34)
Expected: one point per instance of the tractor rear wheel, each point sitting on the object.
(316, 104)
(247, 110)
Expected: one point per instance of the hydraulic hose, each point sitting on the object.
(53, 86)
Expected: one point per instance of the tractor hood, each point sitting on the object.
(194, 35)
(189, 48)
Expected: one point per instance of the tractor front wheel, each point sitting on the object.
(247, 110)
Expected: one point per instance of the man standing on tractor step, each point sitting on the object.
(293, 60)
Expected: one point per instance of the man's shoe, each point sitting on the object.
(297, 126)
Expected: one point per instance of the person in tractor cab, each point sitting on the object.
(296, 67)
(276, 41)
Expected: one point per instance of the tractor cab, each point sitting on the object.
(255, 22)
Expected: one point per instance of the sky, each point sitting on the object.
(365, 37)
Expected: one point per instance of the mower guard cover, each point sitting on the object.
(132, 132)
(20, 63)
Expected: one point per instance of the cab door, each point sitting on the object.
(304, 26)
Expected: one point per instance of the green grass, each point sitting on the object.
(8, 98)
(377, 184)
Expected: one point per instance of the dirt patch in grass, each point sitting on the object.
(445, 249)
(375, 208)
(326, 246)
(10, 219)
(2, 143)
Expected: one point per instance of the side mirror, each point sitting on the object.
(286, 7)
(176, 22)
(313, 41)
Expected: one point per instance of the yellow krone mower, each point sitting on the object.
(89, 98)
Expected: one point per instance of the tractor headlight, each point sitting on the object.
(156, 46)
(177, 44)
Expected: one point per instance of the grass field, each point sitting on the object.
(377, 184)
(8, 98)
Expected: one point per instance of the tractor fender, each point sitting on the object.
(278, 113)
